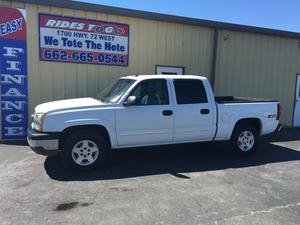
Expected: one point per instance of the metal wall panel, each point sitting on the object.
(250, 65)
(253, 65)
(151, 43)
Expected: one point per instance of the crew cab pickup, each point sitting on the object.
(146, 110)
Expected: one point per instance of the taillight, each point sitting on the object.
(279, 111)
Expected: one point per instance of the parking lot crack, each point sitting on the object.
(252, 213)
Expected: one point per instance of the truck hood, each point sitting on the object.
(68, 104)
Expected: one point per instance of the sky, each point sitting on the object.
(276, 14)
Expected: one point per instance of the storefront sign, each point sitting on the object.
(68, 39)
(13, 70)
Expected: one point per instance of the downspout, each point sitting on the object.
(214, 58)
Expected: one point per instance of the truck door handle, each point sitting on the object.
(167, 113)
(204, 111)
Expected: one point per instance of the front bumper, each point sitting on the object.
(43, 143)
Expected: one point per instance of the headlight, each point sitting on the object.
(38, 119)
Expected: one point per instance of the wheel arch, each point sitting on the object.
(253, 121)
(97, 128)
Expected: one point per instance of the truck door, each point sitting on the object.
(150, 119)
(194, 114)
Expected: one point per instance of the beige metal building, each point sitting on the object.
(238, 60)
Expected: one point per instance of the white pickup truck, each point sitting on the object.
(145, 110)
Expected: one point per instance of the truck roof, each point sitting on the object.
(164, 76)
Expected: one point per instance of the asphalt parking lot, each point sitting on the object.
(182, 184)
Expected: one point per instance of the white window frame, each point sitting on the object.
(160, 69)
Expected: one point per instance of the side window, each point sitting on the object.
(189, 91)
(152, 92)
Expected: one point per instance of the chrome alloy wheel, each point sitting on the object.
(246, 141)
(85, 152)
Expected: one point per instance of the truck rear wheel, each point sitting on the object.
(84, 150)
(244, 139)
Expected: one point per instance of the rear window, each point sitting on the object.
(190, 91)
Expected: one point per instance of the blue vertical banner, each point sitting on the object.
(13, 70)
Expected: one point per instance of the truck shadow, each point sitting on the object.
(177, 159)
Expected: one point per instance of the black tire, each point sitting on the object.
(241, 139)
(74, 140)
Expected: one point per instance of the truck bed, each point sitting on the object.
(233, 99)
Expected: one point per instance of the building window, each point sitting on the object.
(170, 70)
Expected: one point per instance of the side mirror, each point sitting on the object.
(131, 100)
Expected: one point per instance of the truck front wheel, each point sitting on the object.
(83, 150)
(244, 139)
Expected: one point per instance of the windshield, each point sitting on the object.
(113, 92)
